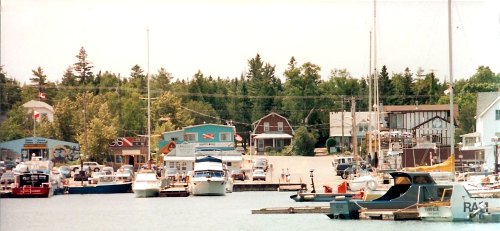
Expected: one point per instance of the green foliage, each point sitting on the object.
(10, 92)
(303, 142)
(330, 142)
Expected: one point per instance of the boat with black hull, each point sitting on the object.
(409, 190)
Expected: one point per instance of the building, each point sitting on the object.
(129, 151)
(341, 128)
(484, 140)
(48, 149)
(179, 148)
(44, 110)
(272, 130)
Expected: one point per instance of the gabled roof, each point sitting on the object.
(410, 108)
(481, 113)
(38, 104)
(431, 119)
(272, 113)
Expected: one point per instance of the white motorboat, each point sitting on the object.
(146, 184)
(459, 205)
(209, 178)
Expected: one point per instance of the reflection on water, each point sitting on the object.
(230, 212)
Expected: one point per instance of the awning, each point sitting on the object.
(273, 136)
(132, 152)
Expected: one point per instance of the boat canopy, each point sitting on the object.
(446, 166)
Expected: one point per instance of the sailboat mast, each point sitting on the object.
(370, 103)
(149, 108)
(376, 90)
(450, 58)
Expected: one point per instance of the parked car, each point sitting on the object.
(344, 170)
(261, 163)
(94, 166)
(9, 165)
(259, 174)
(108, 170)
(65, 171)
(238, 175)
(7, 178)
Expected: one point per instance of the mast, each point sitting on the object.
(376, 90)
(149, 108)
(452, 118)
(370, 116)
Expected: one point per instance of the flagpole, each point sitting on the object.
(34, 123)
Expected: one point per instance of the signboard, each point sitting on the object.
(127, 142)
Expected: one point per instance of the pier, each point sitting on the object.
(291, 210)
(254, 186)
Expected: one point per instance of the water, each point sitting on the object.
(231, 212)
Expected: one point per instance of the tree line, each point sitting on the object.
(115, 106)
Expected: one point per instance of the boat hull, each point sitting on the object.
(29, 191)
(208, 187)
(101, 189)
(146, 192)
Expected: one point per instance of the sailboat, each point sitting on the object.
(146, 183)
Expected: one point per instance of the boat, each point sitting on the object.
(457, 204)
(208, 178)
(106, 184)
(146, 184)
(32, 185)
(409, 189)
(318, 197)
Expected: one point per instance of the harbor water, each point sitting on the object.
(222, 213)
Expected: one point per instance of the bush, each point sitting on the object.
(303, 142)
(330, 142)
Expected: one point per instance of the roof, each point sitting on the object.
(273, 113)
(404, 108)
(488, 107)
(273, 136)
(38, 104)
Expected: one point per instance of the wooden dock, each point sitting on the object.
(389, 214)
(263, 186)
(292, 210)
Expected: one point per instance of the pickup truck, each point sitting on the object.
(93, 166)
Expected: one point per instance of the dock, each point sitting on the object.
(174, 192)
(258, 186)
(292, 210)
(389, 214)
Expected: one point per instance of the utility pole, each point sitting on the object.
(354, 130)
(342, 122)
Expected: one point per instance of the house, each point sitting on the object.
(179, 148)
(484, 141)
(427, 123)
(128, 151)
(272, 130)
(341, 128)
(42, 108)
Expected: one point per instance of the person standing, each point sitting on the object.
(283, 175)
(287, 175)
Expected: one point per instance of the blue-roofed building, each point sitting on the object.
(48, 149)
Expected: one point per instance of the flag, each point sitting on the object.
(36, 114)
(42, 95)
(447, 91)
(208, 136)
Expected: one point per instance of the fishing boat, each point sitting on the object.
(146, 184)
(409, 189)
(209, 177)
(32, 185)
(105, 184)
(457, 204)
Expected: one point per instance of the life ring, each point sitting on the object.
(371, 184)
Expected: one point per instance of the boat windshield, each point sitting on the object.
(208, 174)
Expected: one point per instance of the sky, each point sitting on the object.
(218, 37)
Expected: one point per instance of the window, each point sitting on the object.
(183, 166)
(280, 126)
(141, 159)
(171, 164)
(225, 136)
(118, 159)
(396, 121)
(266, 126)
(497, 114)
(280, 143)
(191, 137)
